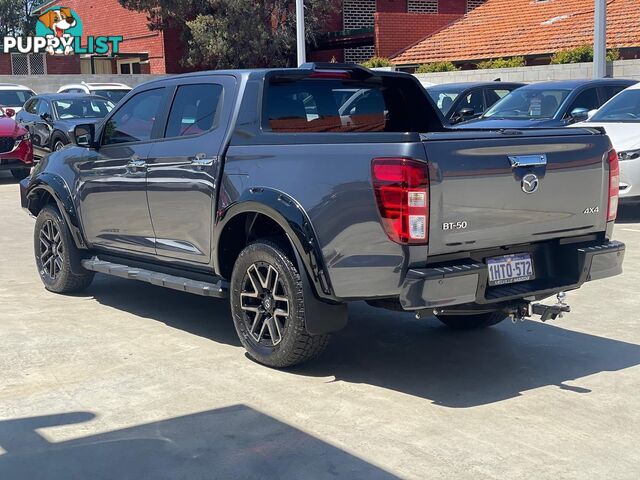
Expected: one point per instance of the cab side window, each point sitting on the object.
(31, 106)
(194, 110)
(587, 99)
(135, 120)
(44, 108)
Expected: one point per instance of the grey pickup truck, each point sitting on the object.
(296, 191)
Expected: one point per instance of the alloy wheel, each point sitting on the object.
(265, 304)
(58, 146)
(51, 249)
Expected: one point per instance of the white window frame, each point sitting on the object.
(130, 62)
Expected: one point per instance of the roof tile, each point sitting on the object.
(505, 28)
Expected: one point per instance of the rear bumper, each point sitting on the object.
(468, 283)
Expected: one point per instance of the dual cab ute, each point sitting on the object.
(296, 191)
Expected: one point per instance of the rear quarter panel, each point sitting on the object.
(332, 183)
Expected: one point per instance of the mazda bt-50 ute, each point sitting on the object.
(296, 191)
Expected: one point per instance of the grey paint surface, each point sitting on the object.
(329, 178)
(132, 381)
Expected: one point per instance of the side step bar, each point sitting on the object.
(219, 289)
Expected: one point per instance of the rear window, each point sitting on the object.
(378, 104)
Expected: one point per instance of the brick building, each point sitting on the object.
(358, 30)
(141, 51)
(361, 29)
(541, 28)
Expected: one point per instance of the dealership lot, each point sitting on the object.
(132, 381)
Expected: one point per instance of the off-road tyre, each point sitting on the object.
(294, 345)
(57, 257)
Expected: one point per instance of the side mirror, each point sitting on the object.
(9, 112)
(579, 115)
(85, 135)
(45, 116)
(466, 112)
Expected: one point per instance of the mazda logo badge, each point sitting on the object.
(530, 183)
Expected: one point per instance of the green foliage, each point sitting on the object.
(15, 17)
(581, 54)
(235, 33)
(510, 62)
(437, 67)
(377, 62)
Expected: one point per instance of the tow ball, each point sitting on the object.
(546, 312)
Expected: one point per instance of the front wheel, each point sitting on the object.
(267, 303)
(472, 322)
(57, 257)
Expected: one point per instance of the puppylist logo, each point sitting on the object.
(59, 32)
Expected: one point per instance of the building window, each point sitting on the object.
(129, 66)
(28, 64)
(422, 6)
(471, 4)
(358, 14)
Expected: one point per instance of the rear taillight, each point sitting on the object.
(401, 186)
(614, 186)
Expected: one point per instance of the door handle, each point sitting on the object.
(201, 160)
(135, 163)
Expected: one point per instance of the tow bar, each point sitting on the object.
(546, 312)
(517, 311)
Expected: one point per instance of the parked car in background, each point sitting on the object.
(620, 117)
(252, 185)
(459, 102)
(14, 96)
(16, 154)
(549, 104)
(51, 118)
(111, 91)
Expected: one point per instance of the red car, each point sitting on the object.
(16, 152)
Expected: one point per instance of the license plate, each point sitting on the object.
(510, 269)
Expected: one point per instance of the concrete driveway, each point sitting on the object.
(130, 381)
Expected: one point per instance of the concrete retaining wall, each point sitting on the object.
(51, 83)
(617, 69)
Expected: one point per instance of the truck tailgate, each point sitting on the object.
(479, 199)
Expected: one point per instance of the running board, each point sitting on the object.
(219, 289)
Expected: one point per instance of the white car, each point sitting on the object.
(620, 117)
(14, 96)
(111, 91)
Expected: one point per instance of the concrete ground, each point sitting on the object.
(130, 381)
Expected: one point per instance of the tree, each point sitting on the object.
(437, 67)
(10, 17)
(16, 17)
(582, 53)
(235, 33)
(510, 62)
(378, 62)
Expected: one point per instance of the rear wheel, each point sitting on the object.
(57, 258)
(20, 173)
(268, 308)
(471, 322)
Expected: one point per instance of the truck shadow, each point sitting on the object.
(628, 214)
(233, 442)
(417, 357)
(465, 369)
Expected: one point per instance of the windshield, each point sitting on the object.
(624, 107)
(528, 104)
(15, 98)
(444, 98)
(114, 95)
(82, 108)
